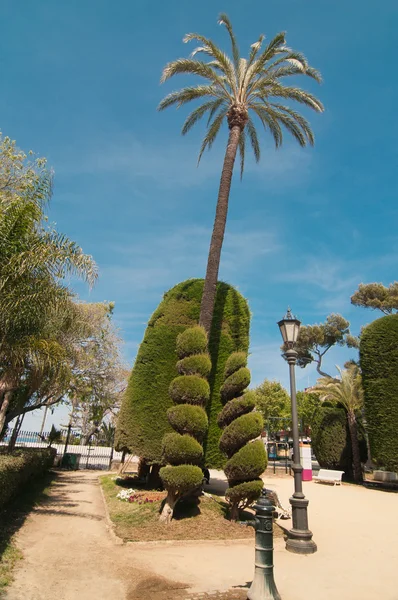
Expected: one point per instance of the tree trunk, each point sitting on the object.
(15, 433)
(168, 508)
(213, 261)
(356, 458)
(4, 407)
(153, 479)
(234, 511)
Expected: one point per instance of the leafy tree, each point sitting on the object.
(307, 403)
(377, 296)
(235, 89)
(273, 402)
(314, 341)
(346, 391)
(34, 259)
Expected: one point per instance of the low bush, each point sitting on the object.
(18, 468)
(235, 383)
(240, 431)
(191, 341)
(236, 408)
(247, 464)
(181, 449)
(245, 493)
(197, 363)
(190, 389)
(181, 479)
(185, 418)
(236, 361)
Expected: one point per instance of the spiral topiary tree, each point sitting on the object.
(190, 391)
(247, 459)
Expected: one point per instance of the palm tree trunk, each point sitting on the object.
(356, 458)
(217, 238)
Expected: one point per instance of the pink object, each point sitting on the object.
(306, 462)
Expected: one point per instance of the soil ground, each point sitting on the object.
(69, 554)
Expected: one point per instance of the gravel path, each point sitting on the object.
(70, 555)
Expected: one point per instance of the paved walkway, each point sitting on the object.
(69, 554)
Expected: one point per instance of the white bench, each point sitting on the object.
(329, 476)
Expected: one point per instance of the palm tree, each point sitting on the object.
(235, 89)
(346, 391)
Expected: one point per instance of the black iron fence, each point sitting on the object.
(72, 452)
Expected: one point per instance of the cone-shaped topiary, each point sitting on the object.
(247, 459)
(143, 420)
(182, 449)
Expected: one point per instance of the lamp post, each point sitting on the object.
(300, 537)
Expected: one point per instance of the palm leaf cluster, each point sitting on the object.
(237, 89)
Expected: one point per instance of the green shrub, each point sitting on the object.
(182, 449)
(190, 389)
(197, 363)
(245, 493)
(185, 418)
(17, 469)
(379, 365)
(247, 464)
(240, 431)
(331, 439)
(236, 361)
(236, 408)
(181, 479)
(191, 341)
(235, 384)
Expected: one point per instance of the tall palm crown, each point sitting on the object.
(234, 90)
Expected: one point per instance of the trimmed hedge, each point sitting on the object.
(235, 408)
(240, 431)
(182, 449)
(155, 367)
(181, 479)
(235, 383)
(247, 464)
(191, 341)
(247, 460)
(188, 419)
(236, 361)
(18, 468)
(197, 363)
(249, 490)
(192, 389)
(331, 440)
(379, 365)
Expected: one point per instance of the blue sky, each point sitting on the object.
(80, 85)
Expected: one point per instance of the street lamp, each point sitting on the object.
(299, 537)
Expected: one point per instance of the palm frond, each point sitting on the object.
(198, 113)
(302, 122)
(224, 20)
(297, 94)
(268, 122)
(188, 94)
(253, 139)
(190, 66)
(222, 60)
(212, 132)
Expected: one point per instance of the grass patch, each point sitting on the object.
(12, 517)
(139, 521)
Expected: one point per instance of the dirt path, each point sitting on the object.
(69, 554)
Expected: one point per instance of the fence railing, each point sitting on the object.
(95, 455)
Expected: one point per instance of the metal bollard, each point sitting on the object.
(263, 586)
